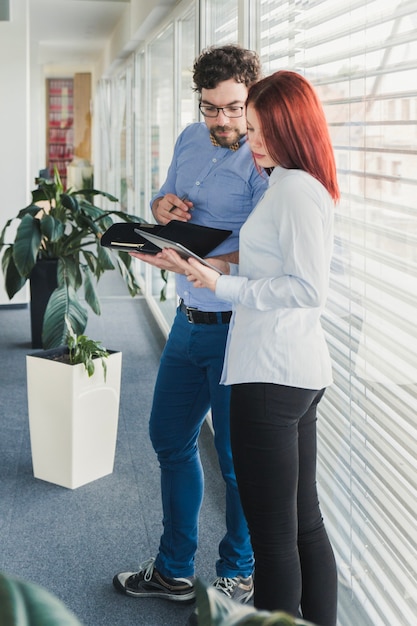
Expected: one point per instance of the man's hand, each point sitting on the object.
(171, 207)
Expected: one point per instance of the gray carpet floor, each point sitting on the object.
(72, 542)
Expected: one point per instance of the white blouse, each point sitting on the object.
(280, 287)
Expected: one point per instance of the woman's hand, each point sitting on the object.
(197, 273)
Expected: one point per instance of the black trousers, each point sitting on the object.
(273, 435)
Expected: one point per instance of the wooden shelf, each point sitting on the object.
(59, 125)
(68, 122)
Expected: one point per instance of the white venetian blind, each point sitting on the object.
(219, 22)
(362, 57)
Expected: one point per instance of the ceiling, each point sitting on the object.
(71, 32)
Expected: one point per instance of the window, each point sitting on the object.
(186, 39)
(220, 21)
(362, 58)
(139, 108)
(185, 105)
(125, 191)
(164, 104)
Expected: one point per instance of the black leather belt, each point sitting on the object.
(195, 316)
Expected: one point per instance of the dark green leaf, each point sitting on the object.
(63, 303)
(90, 293)
(105, 258)
(70, 202)
(6, 258)
(87, 224)
(69, 271)
(128, 275)
(91, 260)
(45, 192)
(27, 244)
(3, 233)
(13, 280)
(49, 190)
(32, 209)
(163, 292)
(84, 350)
(52, 228)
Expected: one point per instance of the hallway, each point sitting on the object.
(73, 542)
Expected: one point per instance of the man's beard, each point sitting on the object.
(226, 142)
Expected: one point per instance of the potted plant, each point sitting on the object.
(73, 410)
(57, 247)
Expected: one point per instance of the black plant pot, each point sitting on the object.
(43, 281)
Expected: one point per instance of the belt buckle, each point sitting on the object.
(189, 313)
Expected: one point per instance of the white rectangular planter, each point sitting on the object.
(72, 419)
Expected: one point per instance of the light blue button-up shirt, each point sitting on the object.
(223, 185)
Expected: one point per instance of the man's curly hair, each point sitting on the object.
(218, 63)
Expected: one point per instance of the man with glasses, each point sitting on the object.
(212, 181)
(208, 110)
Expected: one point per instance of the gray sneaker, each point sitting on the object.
(238, 589)
(149, 583)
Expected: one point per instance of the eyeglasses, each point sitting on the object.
(211, 111)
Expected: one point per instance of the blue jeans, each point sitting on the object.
(187, 386)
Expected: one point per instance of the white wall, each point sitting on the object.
(14, 121)
(22, 118)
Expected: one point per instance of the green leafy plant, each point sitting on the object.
(23, 602)
(84, 350)
(67, 226)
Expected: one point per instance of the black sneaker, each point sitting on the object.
(238, 589)
(149, 583)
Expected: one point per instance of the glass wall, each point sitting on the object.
(139, 143)
(362, 57)
(184, 109)
(124, 162)
(219, 20)
(187, 38)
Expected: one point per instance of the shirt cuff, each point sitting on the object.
(228, 287)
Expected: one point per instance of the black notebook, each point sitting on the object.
(122, 236)
(189, 239)
(182, 250)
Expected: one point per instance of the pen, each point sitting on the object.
(174, 206)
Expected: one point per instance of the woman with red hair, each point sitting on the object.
(277, 360)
